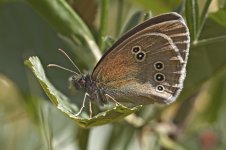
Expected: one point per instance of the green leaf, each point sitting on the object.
(158, 6)
(206, 58)
(133, 21)
(59, 12)
(10, 1)
(23, 32)
(65, 21)
(219, 17)
(88, 14)
(108, 42)
(64, 104)
(216, 97)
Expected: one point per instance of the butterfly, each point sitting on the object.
(146, 65)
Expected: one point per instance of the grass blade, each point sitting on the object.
(192, 16)
(203, 18)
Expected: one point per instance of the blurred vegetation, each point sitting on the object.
(86, 28)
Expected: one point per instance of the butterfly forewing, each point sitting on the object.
(148, 63)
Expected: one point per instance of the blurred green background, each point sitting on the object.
(85, 29)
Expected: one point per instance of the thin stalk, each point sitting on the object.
(103, 22)
(203, 18)
(119, 17)
(191, 12)
(83, 138)
(209, 41)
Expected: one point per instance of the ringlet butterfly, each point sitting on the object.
(146, 65)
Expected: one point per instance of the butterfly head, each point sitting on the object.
(86, 84)
(78, 81)
(81, 82)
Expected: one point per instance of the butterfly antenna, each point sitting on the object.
(57, 66)
(62, 51)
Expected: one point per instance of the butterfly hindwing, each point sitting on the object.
(147, 64)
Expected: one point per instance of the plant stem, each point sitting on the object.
(191, 12)
(103, 23)
(83, 138)
(119, 17)
(203, 18)
(209, 41)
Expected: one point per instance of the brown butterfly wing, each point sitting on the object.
(127, 77)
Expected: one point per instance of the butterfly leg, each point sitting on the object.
(117, 103)
(83, 104)
(90, 110)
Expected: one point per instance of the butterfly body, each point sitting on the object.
(88, 85)
(144, 66)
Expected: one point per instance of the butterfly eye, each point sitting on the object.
(159, 77)
(136, 49)
(159, 88)
(140, 56)
(159, 65)
(82, 81)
